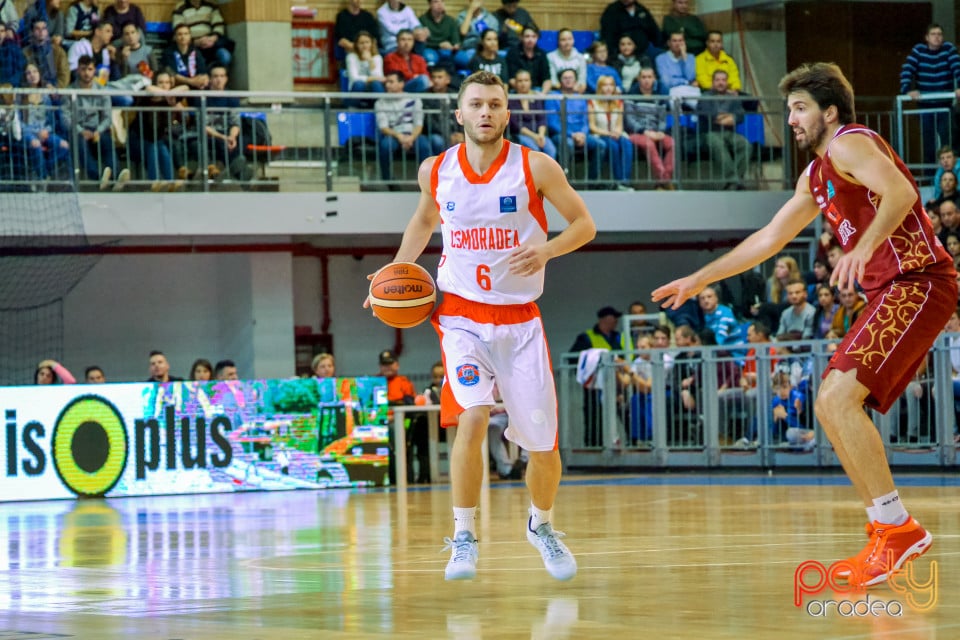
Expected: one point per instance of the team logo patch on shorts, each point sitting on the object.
(468, 374)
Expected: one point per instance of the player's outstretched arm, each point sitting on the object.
(790, 220)
(552, 183)
(421, 225)
(860, 157)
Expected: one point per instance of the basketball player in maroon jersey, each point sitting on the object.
(873, 206)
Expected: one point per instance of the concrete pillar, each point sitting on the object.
(263, 60)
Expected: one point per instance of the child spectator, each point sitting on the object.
(787, 408)
(598, 67)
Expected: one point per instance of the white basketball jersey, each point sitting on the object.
(484, 219)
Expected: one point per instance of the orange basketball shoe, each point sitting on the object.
(889, 547)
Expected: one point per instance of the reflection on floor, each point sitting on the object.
(688, 556)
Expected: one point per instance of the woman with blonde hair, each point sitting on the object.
(785, 270)
(606, 122)
(365, 65)
(323, 366)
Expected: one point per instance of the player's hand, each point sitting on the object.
(677, 292)
(366, 301)
(849, 270)
(528, 260)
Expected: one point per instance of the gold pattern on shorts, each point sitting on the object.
(896, 312)
(911, 246)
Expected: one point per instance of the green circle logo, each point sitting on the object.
(89, 446)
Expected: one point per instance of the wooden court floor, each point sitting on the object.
(673, 556)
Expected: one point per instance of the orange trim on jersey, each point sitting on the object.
(488, 175)
(450, 409)
(482, 313)
(536, 200)
(435, 178)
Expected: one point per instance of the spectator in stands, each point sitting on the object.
(201, 370)
(566, 56)
(411, 66)
(12, 60)
(606, 122)
(432, 392)
(729, 150)
(97, 47)
(953, 245)
(473, 21)
(48, 154)
(598, 67)
(207, 30)
(714, 58)
(223, 130)
(718, 317)
(527, 56)
(852, 305)
(92, 129)
(52, 372)
(443, 39)
(641, 386)
(628, 17)
(646, 122)
(94, 375)
(324, 366)
(796, 321)
(676, 67)
(153, 135)
(187, 63)
(689, 24)
(948, 162)
(82, 17)
(787, 409)
(365, 65)
(487, 56)
(50, 60)
(350, 22)
(160, 369)
(578, 136)
(604, 335)
(394, 17)
(685, 385)
(949, 219)
(11, 135)
(528, 121)
(948, 187)
(400, 122)
(513, 20)
(400, 391)
(628, 64)
(123, 12)
(785, 270)
(48, 11)
(827, 306)
(225, 370)
(441, 123)
(819, 275)
(932, 66)
(135, 56)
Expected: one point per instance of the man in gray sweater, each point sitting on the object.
(90, 121)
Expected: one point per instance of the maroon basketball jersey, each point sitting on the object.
(850, 207)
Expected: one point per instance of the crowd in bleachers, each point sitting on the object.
(756, 322)
(630, 55)
(54, 46)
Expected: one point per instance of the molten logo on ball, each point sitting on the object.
(402, 295)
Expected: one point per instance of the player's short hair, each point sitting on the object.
(484, 78)
(825, 82)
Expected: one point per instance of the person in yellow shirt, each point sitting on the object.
(713, 58)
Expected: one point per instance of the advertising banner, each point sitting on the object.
(65, 441)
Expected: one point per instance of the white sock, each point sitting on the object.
(465, 519)
(538, 517)
(890, 510)
(873, 514)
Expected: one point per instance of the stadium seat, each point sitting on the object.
(752, 128)
(352, 127)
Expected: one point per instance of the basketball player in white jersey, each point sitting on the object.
(487, 195)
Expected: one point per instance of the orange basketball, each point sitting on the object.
(402, 294)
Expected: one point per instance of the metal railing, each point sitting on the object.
(686, 407)
(331, 141)
(925, 124)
